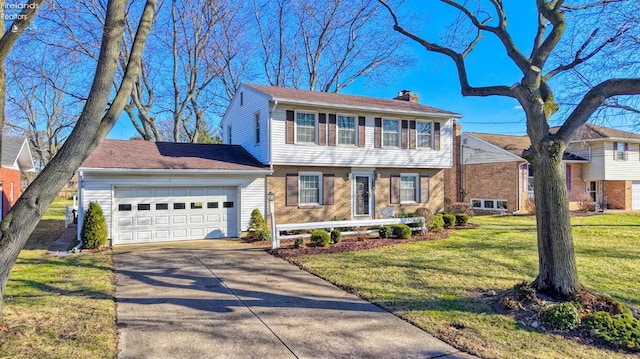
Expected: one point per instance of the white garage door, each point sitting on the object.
(173, 214)
(635, 202)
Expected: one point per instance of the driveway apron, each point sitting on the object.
(226, 299)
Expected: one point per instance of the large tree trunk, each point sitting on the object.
(557, 274)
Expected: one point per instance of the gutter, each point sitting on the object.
(179, 171)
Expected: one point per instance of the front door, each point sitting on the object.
(362, 194)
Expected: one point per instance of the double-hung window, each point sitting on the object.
(530, 180)
(309, 188)
(305, 127)
(346, 130)
(409, 188)
(390, 133)
(423, 134)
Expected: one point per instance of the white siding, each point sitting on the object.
(594, 170)
(241, 118)
(621, 170)
(367, 156)
(99, 187)
(475, 150)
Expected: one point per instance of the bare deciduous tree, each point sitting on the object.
(535, 92)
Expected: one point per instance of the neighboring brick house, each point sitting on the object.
(16, 158)
(343, 156)
(602, 165)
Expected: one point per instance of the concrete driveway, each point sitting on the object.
(226, 299)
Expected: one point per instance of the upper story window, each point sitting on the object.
(309, 188)
(346, 130)
(409, 188)
(390, 133)
(423, 134)
(305, 127)
(229, 135)
(257, 121)
(620, 151)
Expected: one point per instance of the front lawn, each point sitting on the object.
(438, 285)
(58, 307)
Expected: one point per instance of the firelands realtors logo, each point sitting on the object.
(14, 11)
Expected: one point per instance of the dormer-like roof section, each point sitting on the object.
(16, 153)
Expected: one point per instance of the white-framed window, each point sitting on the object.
(424, 134)
(408, 188)
(390, 133)
(530, 179)
(620, 152)
(489, 204)
(309, 188)
(257, 122)
(346, 130)
(305, 127)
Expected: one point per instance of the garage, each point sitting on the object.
(162, 214)
(635, 195)
(160, 191)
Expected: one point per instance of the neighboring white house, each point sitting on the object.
(159, 191)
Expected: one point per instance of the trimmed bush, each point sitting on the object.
(299, 243)
(320, 238)
(256, 222)
(263, 234)
(462, 219)
(385, 231)
(620, 330)
(401, 231)
(563, 316)
(94, 227)
(449, 220)
(436, 224)
(336, 236)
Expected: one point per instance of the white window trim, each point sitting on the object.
(399, 122)
(620, 153)
(529, 180)
(495, 204)
(320, 193)
(355, 130)
(295, 127)
(432, 135)
(416, 195)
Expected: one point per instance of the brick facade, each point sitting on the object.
(342, 199)
(8, 177)
(498, 181)
(618, 195)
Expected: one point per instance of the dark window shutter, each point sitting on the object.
(615, 150)
(567, 170)
(322, 129)
(361, 127)
(290, 137)
(332, 130)
(412, 134)
(395, 189)
(626, 151)
(436, 135)
(378, 133)
(424, 189)
(292, 190)
(404, 134)
(327, 189)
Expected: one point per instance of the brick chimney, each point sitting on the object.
(406, 95)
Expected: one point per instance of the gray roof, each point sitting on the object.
(11, 146)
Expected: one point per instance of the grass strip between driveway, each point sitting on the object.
(438, 285)
(58, 307)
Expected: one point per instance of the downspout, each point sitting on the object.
(518, 191)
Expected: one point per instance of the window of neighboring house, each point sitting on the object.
(257, 120)
(620, 152)
(423, 134)
(530, 179)
(241, 98)
(305, 127)
(229, 134)
(489, 204)
(346, 130)
(390, 133)
(409, 188)
(309, 188)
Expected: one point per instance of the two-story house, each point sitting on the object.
(602, 166)
(343, 156)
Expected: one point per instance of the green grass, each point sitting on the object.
(436, 285)
(58, 307)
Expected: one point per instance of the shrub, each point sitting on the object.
(385, 232)
(563, 316)
(449, 220)
(401, 231)
(525, 293)
(263, 234)
(299, 243)
(94, 227)
(256, 222)
(320, 238)
(437, 223)
(459, 207)
(336, 236)
(620, 330)
(462, 219)
(406, 215)
(530, 205)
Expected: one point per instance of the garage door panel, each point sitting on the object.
(163, 214)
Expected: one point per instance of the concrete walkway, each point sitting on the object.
(226, 299)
